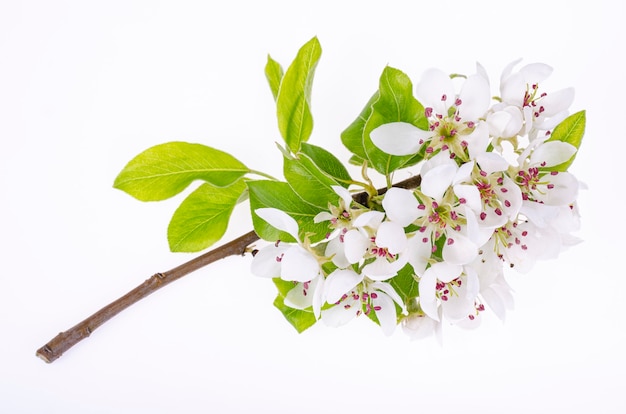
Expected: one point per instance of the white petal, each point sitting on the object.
(513, 90)
(478, 140)
(355, 245)
(505, 123)
(318, 295)
(445, 271)
(401, 206)
(391, 235)
(382, 269)
(470, 194)
(536, 72)
(266, 261)
(369, 219)
(299, 265)
(279, 219)
(506, 72)
(322, 216)
(464, 172)
(491, 162)
(475, 98)
(552, 153)
(335, 249)
(418, 326)
(477, 234)
(389, 290)
(343, 193)
(418, 253)
(299, 297)
(437, 180)
(564, 192)
(427, 289)
(399, 138)
(386, 314)
(458, 249)
(433, 86)
(341, 314)
(339, 283)
(539, 214)
(556, 102)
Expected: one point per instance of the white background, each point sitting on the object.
(86, 85)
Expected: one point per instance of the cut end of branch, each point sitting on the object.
(47, 354)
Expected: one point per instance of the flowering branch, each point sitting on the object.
(52, 350)
(491, 189)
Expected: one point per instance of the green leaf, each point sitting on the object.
(293, 102)
(280, 195)
(309, 182)
(352, 136)
(202, 218)
(299, 319)
(328, 163)
(165, 170)
(274, 75)
(570, 130)
(395, 103)
(405, 283)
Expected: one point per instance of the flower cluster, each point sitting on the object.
(494, 193)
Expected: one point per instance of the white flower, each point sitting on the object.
(452, 118)
(440, 214)
(452, 287)
(370, 237)
(353, 295)
(289, 262)
(535, 179)
(541, 111)
(489, 193)
(419, 326)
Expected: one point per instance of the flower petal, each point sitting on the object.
(435, 89)
(536, 72)
(266, 262)
(391, 236)
(341, 314)
(418, 253)
(427, 299)
(339, 283)
(335, 250)
(279, 219)
(437, 180)
(401, 206)
(399, 138)
(552, 153)
(382, 269)
(445, 271)
(386, 312)
(343, 193)
(470, 195)
(355, 245)
(369, 219)
(491, 162)
(299, 265)
(475, 98)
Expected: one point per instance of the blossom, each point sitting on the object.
(538, 181)
(540, 110)
(354, 295)
(453, 287)
(440, 214)
(290, 262)
(452, 118)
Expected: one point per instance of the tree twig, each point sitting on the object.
(239, 246)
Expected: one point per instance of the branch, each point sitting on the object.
(239, 246)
